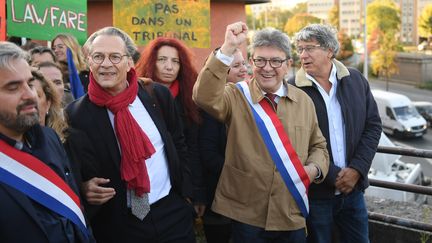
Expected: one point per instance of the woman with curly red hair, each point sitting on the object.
(169, 62)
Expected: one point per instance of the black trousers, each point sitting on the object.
(170, 220)
(217, 233)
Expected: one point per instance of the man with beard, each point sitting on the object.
(37, 191)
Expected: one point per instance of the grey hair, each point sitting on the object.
(131, 48)
(271, 37)
(326, 36)
(10, 52)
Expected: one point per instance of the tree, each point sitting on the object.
(333, 16)
(383, 59)
(383, 15)
(425, 22)
(346, 49)
(299, 8)
(275, 18)
(298, 21)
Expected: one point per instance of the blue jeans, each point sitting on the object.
(245, 233)
(345, 213)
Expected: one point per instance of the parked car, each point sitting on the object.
(425, 109)
(398, 115)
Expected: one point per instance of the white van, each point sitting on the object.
(399, 117)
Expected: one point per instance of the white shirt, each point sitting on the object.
(157, 164)
(282, 91)
(335, 119)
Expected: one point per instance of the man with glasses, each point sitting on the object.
(349, 119)
(134, 164)
(274, 146)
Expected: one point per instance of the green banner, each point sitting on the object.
(44, 19)
(145, 20)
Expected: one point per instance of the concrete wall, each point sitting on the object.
(382, 232)
(413, 68)
(221, 14)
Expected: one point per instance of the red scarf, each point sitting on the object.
(174, 87)
(134, 144)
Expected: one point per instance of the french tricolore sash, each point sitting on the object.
(38, 181)
(280, 149)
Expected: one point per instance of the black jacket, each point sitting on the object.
(21, 218)
(212, 141)
(362, 125)
(101, 156)
(191, 131)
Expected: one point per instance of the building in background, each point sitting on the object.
(321, 8)
(418, 7)
(350, 15)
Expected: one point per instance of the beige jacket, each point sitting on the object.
(250, 189)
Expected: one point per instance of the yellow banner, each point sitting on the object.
(145, 20)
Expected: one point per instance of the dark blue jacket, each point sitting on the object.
(362, 125)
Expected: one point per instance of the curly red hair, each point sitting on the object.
(187, 75)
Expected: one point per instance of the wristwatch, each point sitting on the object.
(319, 175)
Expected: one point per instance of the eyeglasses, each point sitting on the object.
(274, 62)
(308, 48)
(115, 58)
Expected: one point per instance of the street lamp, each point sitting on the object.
(365, 51)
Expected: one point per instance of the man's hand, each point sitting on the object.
(144, 80)
(235, 35)
(312, 171)
(346, 180)
(96, 194)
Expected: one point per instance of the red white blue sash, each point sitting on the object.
(280, 149)
(38, 181)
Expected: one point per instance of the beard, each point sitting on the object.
(21, 122)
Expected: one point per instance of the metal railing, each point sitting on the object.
(425, 190)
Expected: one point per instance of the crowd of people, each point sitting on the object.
(154, 143)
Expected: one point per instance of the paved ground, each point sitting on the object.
(406, 210)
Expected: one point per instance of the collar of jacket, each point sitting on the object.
(257, 92)
(302, 81)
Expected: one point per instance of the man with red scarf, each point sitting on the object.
(134, 163)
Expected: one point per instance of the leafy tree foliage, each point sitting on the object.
(298, 21)
(346, 48)
(275, 18)
(299, 8)
(383, 22)
(383, 15)
(383, 63)
(333, 16)
(425, 22)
